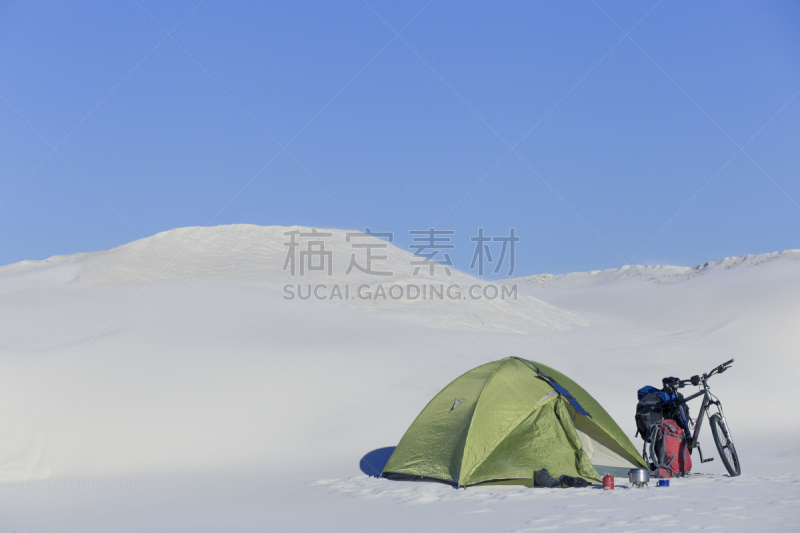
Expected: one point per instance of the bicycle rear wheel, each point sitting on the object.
(725, 447)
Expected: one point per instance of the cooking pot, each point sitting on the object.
(638, 476)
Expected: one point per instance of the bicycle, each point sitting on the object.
(719, 426)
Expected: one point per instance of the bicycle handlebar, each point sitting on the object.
(721, 368)
(696, 380)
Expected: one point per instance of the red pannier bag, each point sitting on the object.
(669, 452)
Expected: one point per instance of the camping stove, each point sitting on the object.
(639, 477)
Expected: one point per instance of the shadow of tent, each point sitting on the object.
(372, 463)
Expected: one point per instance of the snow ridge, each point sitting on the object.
(661, 274)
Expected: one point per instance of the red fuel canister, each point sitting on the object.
(608, 482)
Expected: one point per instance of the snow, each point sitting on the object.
(167, 385)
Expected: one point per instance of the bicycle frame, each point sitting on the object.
(708, 400)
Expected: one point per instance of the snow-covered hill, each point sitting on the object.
(655, 273)
(257, 256)
(170, 374)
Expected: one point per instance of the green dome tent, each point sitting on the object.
(506, 419)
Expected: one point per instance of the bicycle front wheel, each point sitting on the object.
(727, 452)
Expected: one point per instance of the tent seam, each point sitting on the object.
(471, 418)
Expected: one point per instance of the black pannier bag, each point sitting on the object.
(655, 404)
(649, 410)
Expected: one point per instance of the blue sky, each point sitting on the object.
(676, 144)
